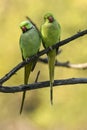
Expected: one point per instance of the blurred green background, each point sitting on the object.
(69, 111)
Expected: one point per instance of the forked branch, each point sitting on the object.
(22, 64)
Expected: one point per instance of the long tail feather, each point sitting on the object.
(22, 103)
(51, 61)
(51, 93)
(28, 69)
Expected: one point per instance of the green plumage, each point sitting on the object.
(30, 42)
(50, 31)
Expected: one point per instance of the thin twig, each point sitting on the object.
(37, 76)
(66, 64)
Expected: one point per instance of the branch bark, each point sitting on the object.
(39, 85)
(66, 64)
(22, 64)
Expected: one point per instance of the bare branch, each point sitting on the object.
(75, 66)
(39, 85)
(22, 64)
(37, 76)
(66, 64)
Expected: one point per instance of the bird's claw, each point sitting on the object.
(50, 48)
(26, 59)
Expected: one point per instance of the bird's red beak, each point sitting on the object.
(24, 29)
(51, 19)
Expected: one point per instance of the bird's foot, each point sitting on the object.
(27, 59)
(50, 48)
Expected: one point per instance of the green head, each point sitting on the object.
(49, 17)
(25, 26)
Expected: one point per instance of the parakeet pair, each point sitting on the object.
(30, 42)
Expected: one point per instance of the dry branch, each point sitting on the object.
(66, 64)
(39, 85)
(22, 64)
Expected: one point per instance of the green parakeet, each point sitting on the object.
(50, 31)
(30, 42)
